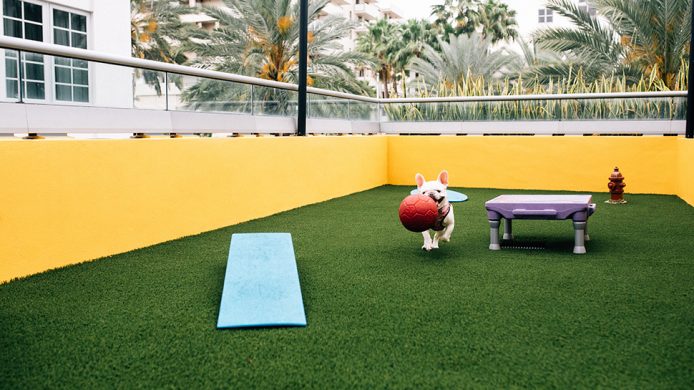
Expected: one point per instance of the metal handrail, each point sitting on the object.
(567, 96)
(89, 55)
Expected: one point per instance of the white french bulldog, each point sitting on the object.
(445, 221)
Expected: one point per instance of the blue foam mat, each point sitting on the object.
(261, 284)
(453, 196)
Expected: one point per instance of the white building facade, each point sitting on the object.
(98, 25)
(532, 15)
(362, 12)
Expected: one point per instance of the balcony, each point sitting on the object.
(113, 251)
(266, 107)
(331, 9)
(390, 11)
(367, 11)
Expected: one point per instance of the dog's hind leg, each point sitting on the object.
(437, 236)
(446, 234)
(448, 223)
(427, 241)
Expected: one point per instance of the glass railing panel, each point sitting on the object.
(45, 79)
(189, 93)
(363, 111)
(327, 107)
(149, 89)
(651, 108)
(274, 101)
(9, 73)
(667, 108)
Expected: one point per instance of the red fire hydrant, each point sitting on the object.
(616, 186)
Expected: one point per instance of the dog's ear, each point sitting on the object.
(419, 179)
(443, 178)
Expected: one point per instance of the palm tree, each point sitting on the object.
(461, 60)
(155, 28)
(382, 42)
(637, 38)
(467, 16)
(656, 33)
(415, 36)
(497, 21)
(261, 38)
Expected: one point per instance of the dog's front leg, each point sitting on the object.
(427, 241)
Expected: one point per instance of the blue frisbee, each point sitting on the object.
(453, 196)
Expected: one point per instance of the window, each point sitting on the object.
(44, 77)
(71, 76)
(545, 15)
(22, 19)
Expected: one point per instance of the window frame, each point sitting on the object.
(88, 26)
(545, 16)
(50, 93)
(46, 59)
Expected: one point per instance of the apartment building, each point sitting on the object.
(532, 15)
(361, 12)
(103, 26)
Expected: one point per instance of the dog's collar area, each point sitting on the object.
(443, 213)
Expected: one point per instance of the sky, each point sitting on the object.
(416, 9)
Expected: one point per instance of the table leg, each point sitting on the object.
(494, 235)
(586, 232)
(508, 232)
(580, 234)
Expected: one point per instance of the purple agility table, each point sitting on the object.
(550, 207)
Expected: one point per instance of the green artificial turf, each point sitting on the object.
(381, 312)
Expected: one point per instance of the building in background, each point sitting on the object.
(532, 15)
(95, 25)
(360, 12)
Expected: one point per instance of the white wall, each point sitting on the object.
(527, 16)
(112, 86)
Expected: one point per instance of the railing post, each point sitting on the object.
(303, 65)
(690, 100)
(20, 76)
(166, 89)
(166, 102)
(379, 107)
(252, 99)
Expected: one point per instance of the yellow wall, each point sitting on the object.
(551, 163)
(686, 170)
(67, 201)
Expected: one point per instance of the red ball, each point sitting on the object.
(418, 213)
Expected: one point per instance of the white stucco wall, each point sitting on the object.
(112, 86)
(527, 16)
